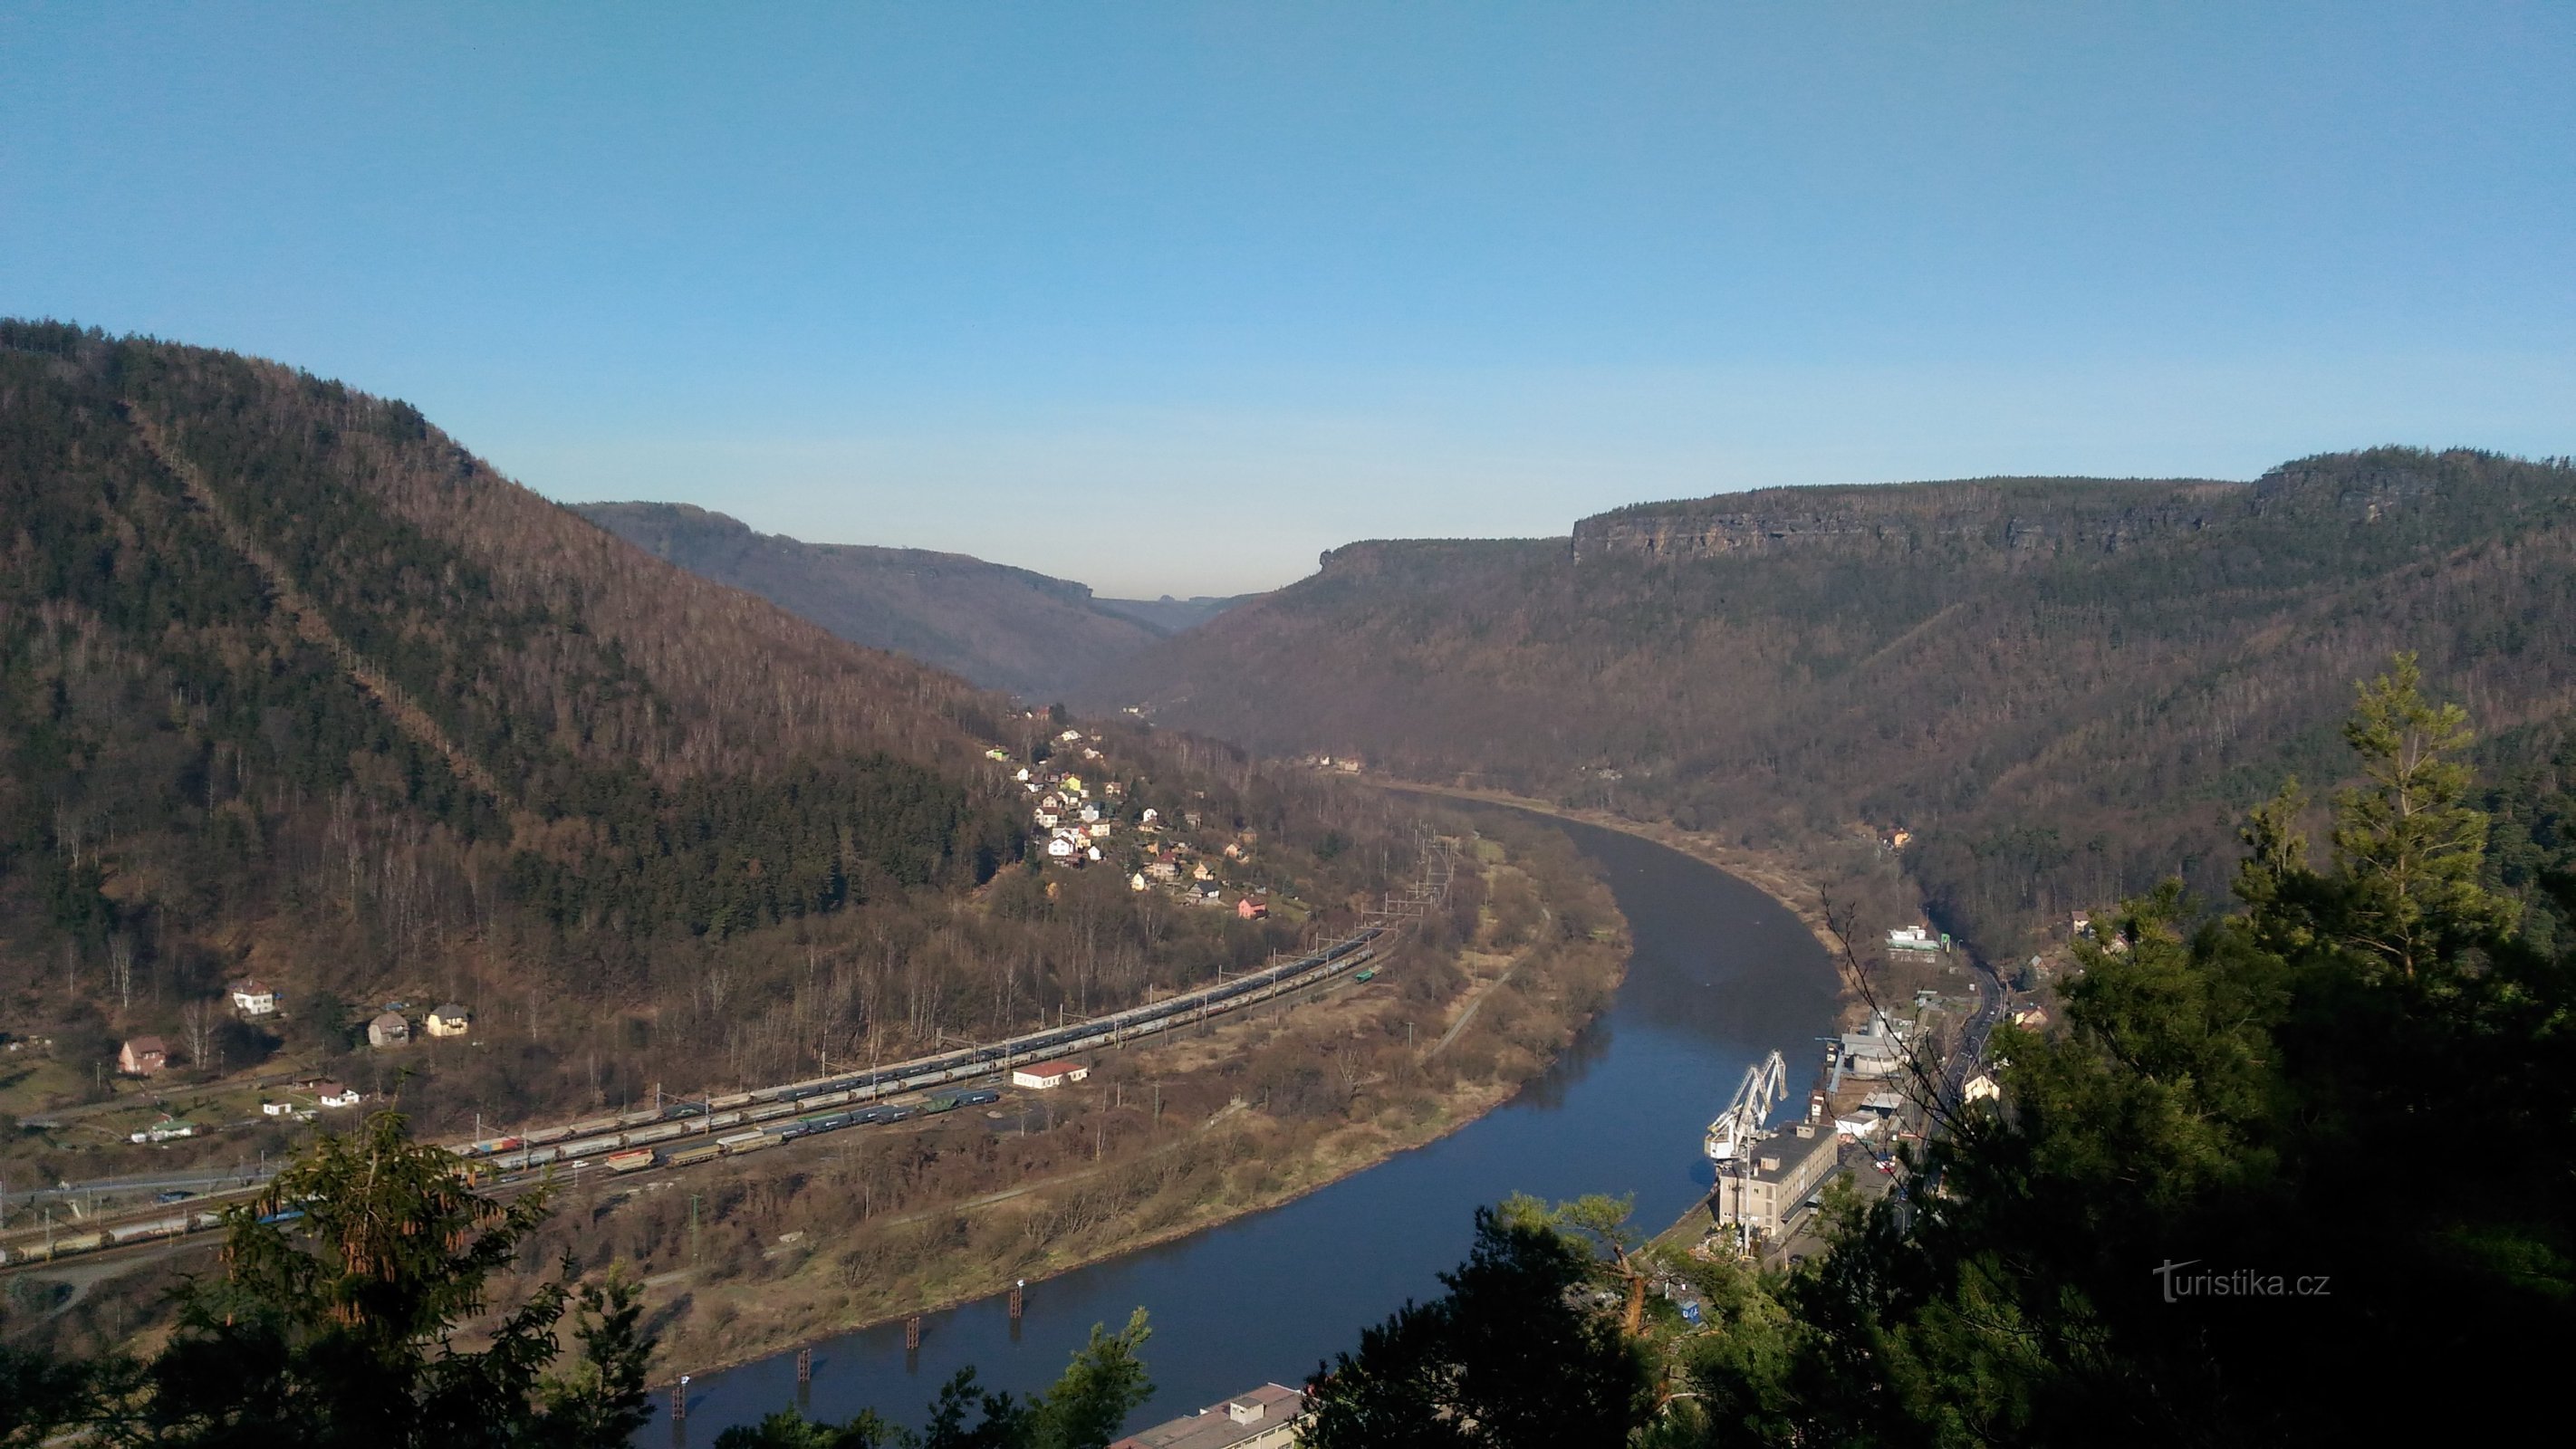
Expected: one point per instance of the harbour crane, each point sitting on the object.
(1737, 1128)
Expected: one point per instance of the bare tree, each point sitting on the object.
(199, 1017)
(120, 968)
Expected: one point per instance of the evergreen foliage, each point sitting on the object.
(340, 1319)
(1085, 1409)
(1506, 1358)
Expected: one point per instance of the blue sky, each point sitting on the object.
(1169, 298)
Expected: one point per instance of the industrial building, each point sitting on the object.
(1265, 1418)
(1763, 1189)
(1039, 1076)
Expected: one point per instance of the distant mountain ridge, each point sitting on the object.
(1005, 628)
(2012, 516)
(2067, 688)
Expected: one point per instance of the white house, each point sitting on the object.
(1040, 1076)
(1060, 849)
(1983, 1088)
(252, 997)
(335, 1095)
(450, 1020)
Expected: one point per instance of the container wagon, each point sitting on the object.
(742, 1142)
(692, 1156)
(633, 1159)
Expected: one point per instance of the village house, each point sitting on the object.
(388, 1029)
(334, 1095)
(1982, 1088)
(1045, 1076)
(1251, 910)
(1162, 870)
(143, 1056)
(277, 1109)
(166, 1130)
(450, 1020)
(1059, 849)
(252, 997)
(1136, 882)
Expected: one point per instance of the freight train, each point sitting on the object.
(778, 1111)
(748, 1121)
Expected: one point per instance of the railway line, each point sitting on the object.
(688, 1133)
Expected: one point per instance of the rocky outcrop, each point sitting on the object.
(2007, 518)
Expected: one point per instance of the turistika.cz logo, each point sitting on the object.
(2239, 1283)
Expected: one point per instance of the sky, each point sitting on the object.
(1170, 298)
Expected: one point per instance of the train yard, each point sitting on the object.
(682, 1133)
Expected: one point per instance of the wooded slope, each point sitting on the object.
(292, 685)
(2065, 687)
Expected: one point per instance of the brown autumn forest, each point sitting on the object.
(297, 688)
(2065, 689)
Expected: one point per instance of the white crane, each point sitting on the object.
(1740, 1125)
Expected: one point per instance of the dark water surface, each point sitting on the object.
(1722, 974)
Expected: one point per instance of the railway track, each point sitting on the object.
(685, 1134)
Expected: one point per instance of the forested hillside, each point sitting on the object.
(2065, 688)
(292, 686)
(1002, 627)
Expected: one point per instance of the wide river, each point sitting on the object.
(1722, 975)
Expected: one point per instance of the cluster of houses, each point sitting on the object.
(253, 999)
(1077, 827)
(390, 1028)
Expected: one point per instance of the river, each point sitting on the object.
(1721, 975)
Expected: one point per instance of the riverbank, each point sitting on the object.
(1163, 1142)
(1777, 876)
